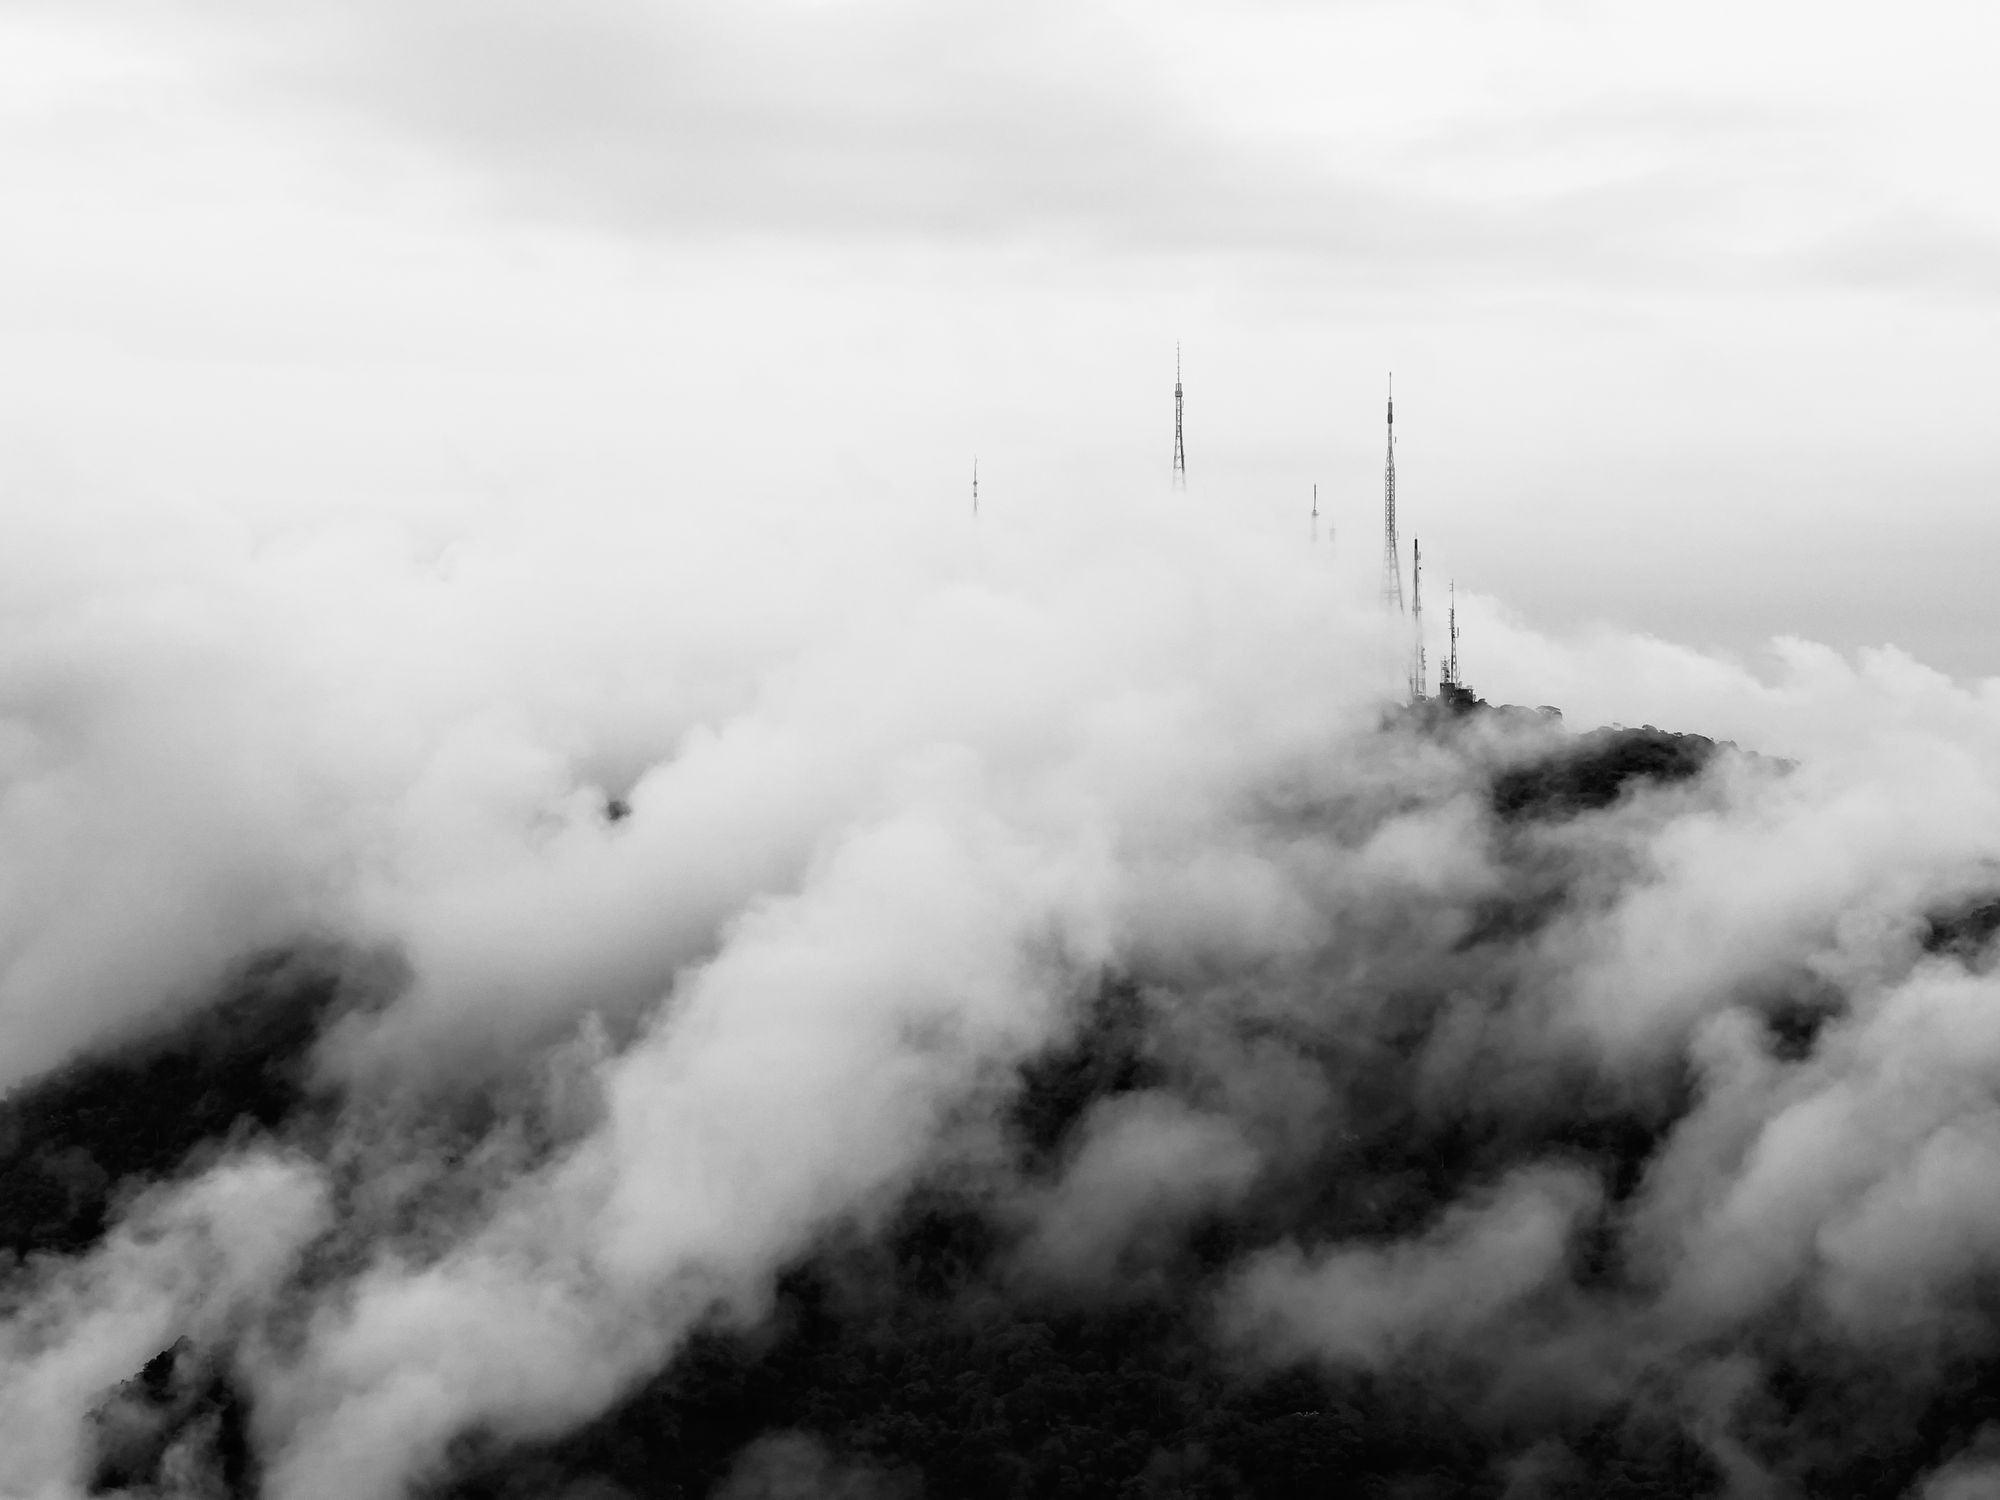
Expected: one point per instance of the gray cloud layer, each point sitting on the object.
(878, 844)
(1097, 126)
(899, 799)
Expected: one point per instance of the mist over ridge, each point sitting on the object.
(572, 927)
(1037, 999)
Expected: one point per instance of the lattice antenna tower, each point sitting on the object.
(1451, 660)
(1392, 563)
(1180, 453)
(975, 486)
(1315, 516)
(1419, 671)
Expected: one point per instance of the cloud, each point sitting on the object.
(206, 1261)
(1971, 1475)
(1146, 1162)
(791, 1466)
(1450, 1290)
(940, 906)
(1095, 126)
(1633, 1103)
(1568, 1095)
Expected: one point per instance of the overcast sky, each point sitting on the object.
(1692, 308)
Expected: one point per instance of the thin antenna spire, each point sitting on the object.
(1180, 453)
(1392, 561)
(1451, 661)
(1315, 515)
(975, 486)
(1419, 675)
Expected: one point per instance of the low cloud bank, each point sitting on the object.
(891, 988)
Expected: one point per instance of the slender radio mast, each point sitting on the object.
(1451, 661)
(1180, 453)
(1392, 564)
(975, 486)
(1420, 674)
(1315, 515)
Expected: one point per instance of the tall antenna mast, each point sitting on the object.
(1180, 453)
(975, 486)
(1451, 661)
(1315, 514)
(1392, 563)
(1420, 675)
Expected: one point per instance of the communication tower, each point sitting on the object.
(1419, 671)
(1451, 691)
(1315, 516)
(975, 486)
(1180, 453)
(1450, 678)
(1392, 564)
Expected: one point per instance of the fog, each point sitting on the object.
(900, 800)
(572, 923)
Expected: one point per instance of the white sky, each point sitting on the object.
(1692, 308)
